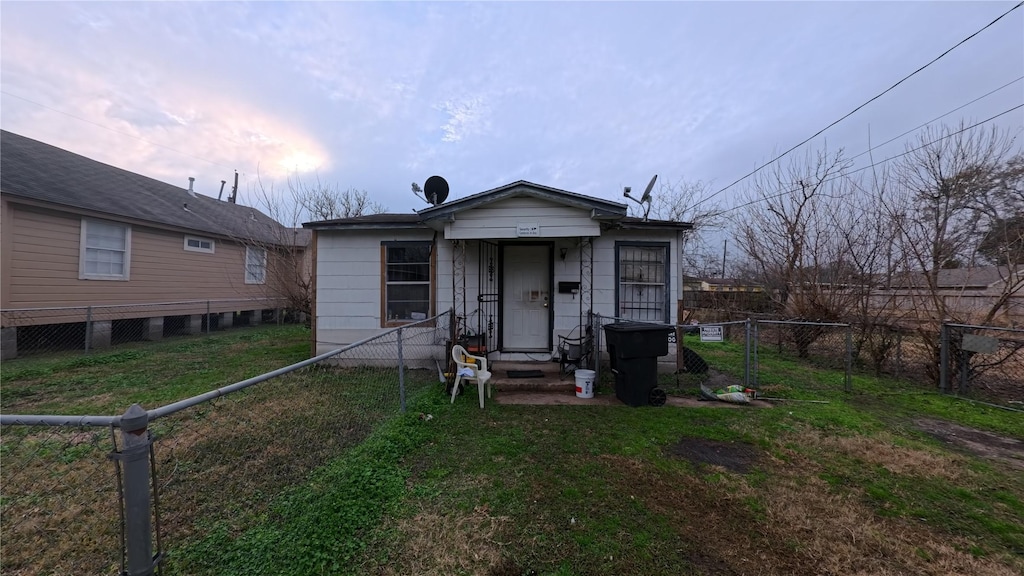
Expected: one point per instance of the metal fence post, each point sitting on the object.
(757, 368)
(401, 373)
(848, 382)
(944, 358)
(135, 441)
(209, 319)
(88, 328)
(746, 354)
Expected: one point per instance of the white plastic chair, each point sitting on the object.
(466, 368)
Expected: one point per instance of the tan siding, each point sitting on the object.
(6, 250)
(45, 259)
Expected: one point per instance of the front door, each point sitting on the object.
(526, 301)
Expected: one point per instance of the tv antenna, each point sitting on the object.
(434, 190)
(645, 200)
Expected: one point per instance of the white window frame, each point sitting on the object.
(200, 240)
(256, 275)
(83, 249)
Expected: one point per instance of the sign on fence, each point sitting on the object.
(711, 334)
(982, 344)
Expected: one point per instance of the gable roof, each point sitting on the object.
(41, 173)
(600, 209)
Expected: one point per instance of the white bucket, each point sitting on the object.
(585, 383)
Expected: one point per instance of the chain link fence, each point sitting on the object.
(984, 363)
(28, 331)
(218, 463)
(820, 344)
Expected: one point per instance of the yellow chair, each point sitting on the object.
(470, 368)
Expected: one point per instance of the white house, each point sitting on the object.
(519, 265)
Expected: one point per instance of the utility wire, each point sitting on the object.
(872, 165)
(889, 141)
(847, 115)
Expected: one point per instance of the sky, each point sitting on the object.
(586, 97)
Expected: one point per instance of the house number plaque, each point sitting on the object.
(527, 230)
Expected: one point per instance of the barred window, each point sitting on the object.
(641, 280)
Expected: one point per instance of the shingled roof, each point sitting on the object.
(39, 172)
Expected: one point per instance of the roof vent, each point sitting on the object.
(191, 192)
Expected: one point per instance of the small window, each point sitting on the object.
(642, 281)
(408, 282)
(255, 265)
(197, 244)
(105, 251)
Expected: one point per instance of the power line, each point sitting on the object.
(872, 165)
(986, 95)
(847, 115)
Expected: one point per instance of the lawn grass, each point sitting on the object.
(152, 374)
(851, 486)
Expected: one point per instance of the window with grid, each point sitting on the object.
(641, 276)
(105, 250)
(197, 244)
(407, 282)
(255, 265)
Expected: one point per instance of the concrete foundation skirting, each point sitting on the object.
(227, 320)
(153, 328)
(99, 334)
(8, 343)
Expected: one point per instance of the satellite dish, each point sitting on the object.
(645, 200)
(436, 190)
(647, 193)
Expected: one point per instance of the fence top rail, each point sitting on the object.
(802, 323)
(55, 420)
(59, 420)
(726, 323)
(140, 304)
(977, 327)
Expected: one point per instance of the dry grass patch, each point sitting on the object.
(448, 543)
(883, 450)
(793, 524)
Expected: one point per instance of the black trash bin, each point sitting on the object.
(633, 348)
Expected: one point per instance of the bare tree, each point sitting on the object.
(953, 188)
(686, 201)
(788, 234)
(289, 248)
(955, 205)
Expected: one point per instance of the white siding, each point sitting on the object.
(348, 284)
(349, 280)
(499, 220)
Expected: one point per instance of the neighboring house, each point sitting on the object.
(77, 233)
(519, 265)
(970, 293)
(723, 294)
(692, 283)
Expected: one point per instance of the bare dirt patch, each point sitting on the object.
(733, 456)
(1009, 451)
